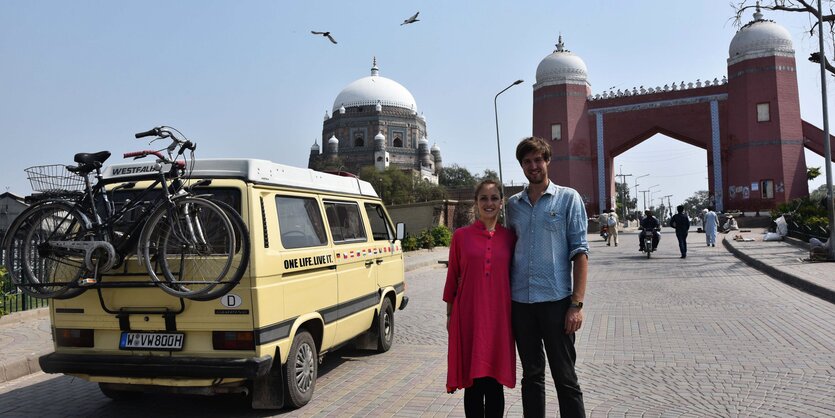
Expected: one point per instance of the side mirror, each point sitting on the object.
(401, 231)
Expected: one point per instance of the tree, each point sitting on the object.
(812, 173)
(797, 6)
(693, 205)
(456, 176)
(397, 187)
(622, 190)
(488, 174)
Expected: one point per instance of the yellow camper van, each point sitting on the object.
(326, 269)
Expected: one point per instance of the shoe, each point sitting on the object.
(616, 244)
(684, 256)
(608, 245)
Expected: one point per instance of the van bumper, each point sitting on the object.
(155, 366)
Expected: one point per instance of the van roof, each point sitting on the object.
(254, 171)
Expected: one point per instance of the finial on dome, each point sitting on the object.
(342, 109)
(560, 45)
(374, 70)
(315, 145)
(326, 115)
(757, 14)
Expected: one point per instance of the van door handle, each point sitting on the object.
(379, 261)
(369, 263)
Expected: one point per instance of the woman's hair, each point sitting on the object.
(533, 144)
(484, 183)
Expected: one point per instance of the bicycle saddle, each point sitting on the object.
(87, 162)
(87, 158)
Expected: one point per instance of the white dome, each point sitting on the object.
(380, 137)
(561, 67)
(435, 147)
(374, 89)
(760, 38)
(315, 146)
(423, 141)
(333, 140)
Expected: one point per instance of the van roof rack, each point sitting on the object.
(253, 171)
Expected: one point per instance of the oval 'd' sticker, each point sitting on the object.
(231, 300)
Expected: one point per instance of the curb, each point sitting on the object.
(29, 364)
(789, 279)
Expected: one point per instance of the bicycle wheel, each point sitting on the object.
(37, 267)
(191, 244)
(241, 259)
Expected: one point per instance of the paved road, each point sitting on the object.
(703, 336)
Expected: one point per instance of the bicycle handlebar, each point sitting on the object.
(140, 154)
(151, 132)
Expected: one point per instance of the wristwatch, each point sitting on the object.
(578, 305)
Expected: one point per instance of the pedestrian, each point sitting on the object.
(730, 224)
(613, 222)
(548, 281)
(481, 357)
(711, 222)
(681, 223)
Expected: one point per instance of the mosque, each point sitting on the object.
(748, 122)
(375, 122)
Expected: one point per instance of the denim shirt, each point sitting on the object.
(549, 234)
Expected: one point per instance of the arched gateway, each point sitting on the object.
(749, 123)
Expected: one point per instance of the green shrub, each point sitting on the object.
(410, 243)
(441, 235)
(425, 240)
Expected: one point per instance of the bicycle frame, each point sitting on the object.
(103, 225)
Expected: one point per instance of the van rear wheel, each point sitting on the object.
(301, 370)
(385, 327)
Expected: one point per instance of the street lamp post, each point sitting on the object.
(636, 191)
(827, 146)
(498, 143)
(649, 189)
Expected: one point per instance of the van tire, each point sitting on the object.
(117, 394)
(385, 326)
(301, 370)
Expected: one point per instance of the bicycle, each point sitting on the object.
(190, 246)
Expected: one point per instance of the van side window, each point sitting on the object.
(345, 222)
(300, 222)
(380, 228)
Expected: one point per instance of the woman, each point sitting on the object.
(481, 354)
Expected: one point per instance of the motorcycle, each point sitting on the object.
(646, 240)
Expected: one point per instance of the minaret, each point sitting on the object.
(765, 150)
(381, 156)
(333, 147)
(436, 155)
(423, 153)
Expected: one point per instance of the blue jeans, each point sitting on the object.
(682, 242)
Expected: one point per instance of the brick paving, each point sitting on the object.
(702, 336)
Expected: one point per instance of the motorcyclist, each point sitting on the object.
(649, 224)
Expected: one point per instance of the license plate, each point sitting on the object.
(170, 341)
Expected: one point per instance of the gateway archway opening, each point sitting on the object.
(663, 168)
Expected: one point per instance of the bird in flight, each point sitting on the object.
(412, 19)
(325, 34)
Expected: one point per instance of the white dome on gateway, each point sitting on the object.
(375, 89)
(561, 67)
(760, 38)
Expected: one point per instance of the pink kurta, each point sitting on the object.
(480, 335)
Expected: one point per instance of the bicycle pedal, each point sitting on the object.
(87, 281)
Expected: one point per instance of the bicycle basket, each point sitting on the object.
(54, 178)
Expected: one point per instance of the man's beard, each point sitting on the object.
(539, 179)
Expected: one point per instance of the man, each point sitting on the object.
(548, 281)
(681, 223)
(613, 223)
(711, 222)
(650, 225)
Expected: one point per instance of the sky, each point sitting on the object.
(246, 79)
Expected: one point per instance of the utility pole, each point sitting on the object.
(644, 193)
(669, 207)
(622, 196)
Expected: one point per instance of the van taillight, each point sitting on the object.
(66, 337)
(233, 340)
